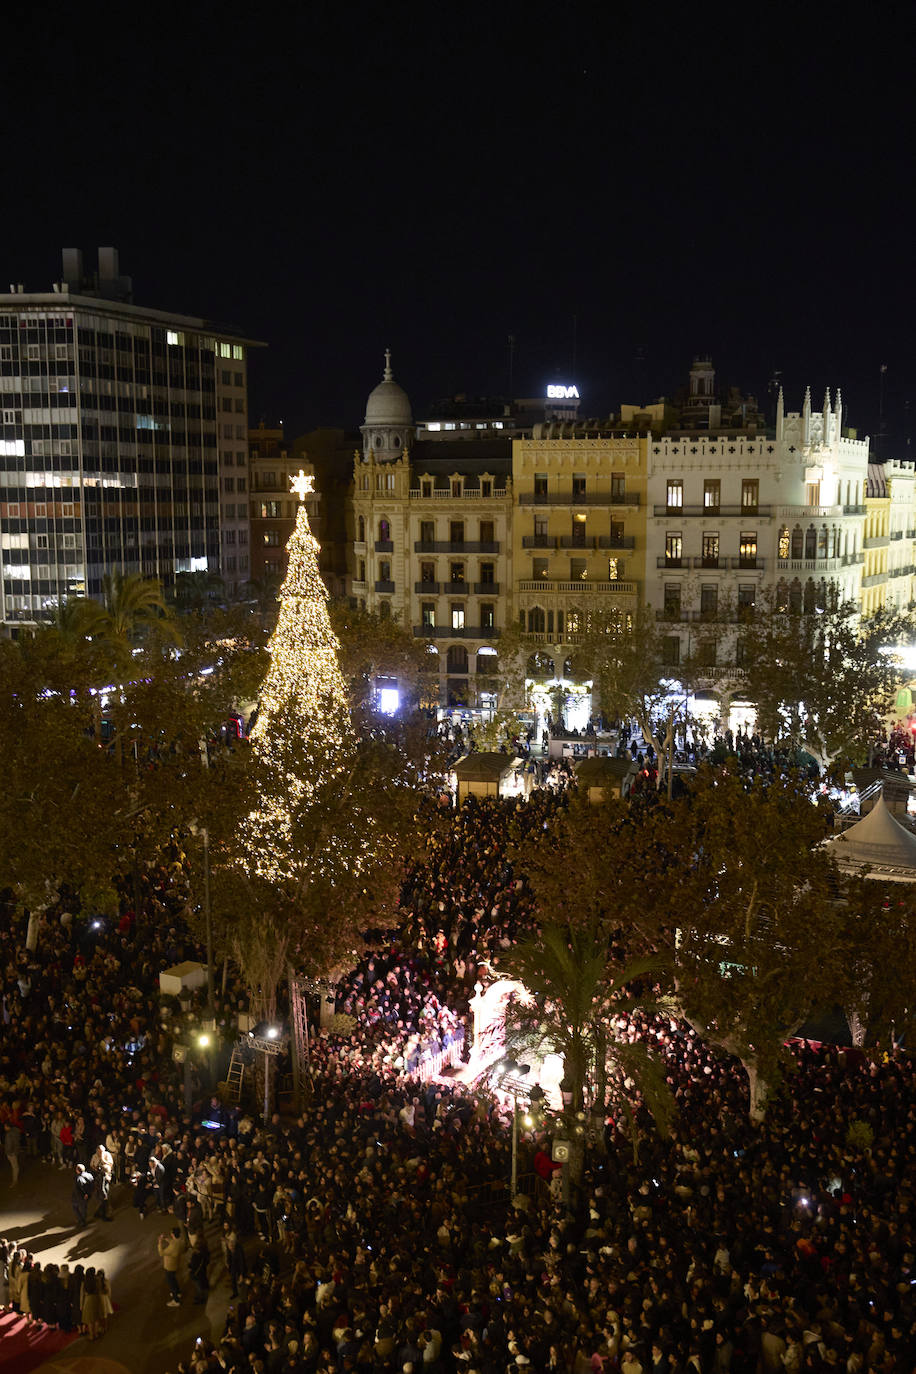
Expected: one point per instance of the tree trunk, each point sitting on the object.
(857, 1027)
(31, 939)
(759, 1088)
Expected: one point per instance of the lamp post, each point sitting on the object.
(204, 834)
(271, 1043)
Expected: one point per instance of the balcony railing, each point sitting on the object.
(823, 565)
(447, 632)
(616, 541)
(453, 546)
(581, 587)
(895, 534)
(853, 510)
(486, 589)
(576, 541)
(384, 546)
(384, 586)
(427, 588)
(742, 562)
(446, 494)
(590, 498)
(456, 588)
(876, 541)
(900, 572)
(713, 512)
(539, 541)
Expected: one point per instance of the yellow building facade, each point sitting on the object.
(578, 539)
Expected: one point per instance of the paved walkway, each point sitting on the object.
(146, 1336)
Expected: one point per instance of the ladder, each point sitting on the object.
(235, 1076)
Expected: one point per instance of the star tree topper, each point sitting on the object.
(301, 484)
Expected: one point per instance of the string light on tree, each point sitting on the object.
(303, 737)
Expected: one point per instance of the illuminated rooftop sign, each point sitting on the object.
(563, 393)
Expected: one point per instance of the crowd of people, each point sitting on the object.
(375, 1233)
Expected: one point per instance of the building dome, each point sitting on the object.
(389, 403)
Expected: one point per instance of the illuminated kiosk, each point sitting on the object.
(488, 1007)
(878, 842)
(487, 774)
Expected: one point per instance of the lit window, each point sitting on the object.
(457, 617)
(173, 339)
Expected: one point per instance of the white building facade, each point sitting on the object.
(732, 514)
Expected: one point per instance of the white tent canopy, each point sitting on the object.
(881, 843)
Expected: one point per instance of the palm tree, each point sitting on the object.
(194, 591)
(574, 994)
(265, 592)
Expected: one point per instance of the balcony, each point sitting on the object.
(901, 572)
(877, 541)
(359, 586)
(853, 510)
(384, 587)
(574, 541)
(590, 498)
(456, 588)
(747, 564)
(874, 579)
(821, 565)
(616, 541)
(486, 589)
(427, 588)
(484, 632)
(663, 561)
(713, 512)
(449, 546)
(581, 587)
(539, 541)
(670, 616)
(446, 494)
(708, 562)
(384, 546)
(895, 534)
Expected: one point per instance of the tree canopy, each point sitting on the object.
(824, 678)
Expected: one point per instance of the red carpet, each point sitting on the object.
(24, 1347)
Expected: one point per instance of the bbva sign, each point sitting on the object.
(563, 393)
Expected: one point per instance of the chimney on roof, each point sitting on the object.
(72, 272)
(108, 265)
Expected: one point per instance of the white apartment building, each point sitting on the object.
(730, 514)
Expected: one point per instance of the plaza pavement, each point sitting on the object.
(146, 1336)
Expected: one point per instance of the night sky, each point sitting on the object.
(599, 181)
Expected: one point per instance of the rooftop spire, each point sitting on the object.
(388, 375)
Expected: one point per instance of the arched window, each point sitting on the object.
(795, 597)
(384, 530)
(782, 596)
(810, 597)
(378, 441)
(457, 659)
(536, 621)
(798, 542)
(574, 621)
(784, 543)
(811, 542)
(822, 542)
(361, 529)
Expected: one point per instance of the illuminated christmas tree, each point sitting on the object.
(303, 744)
